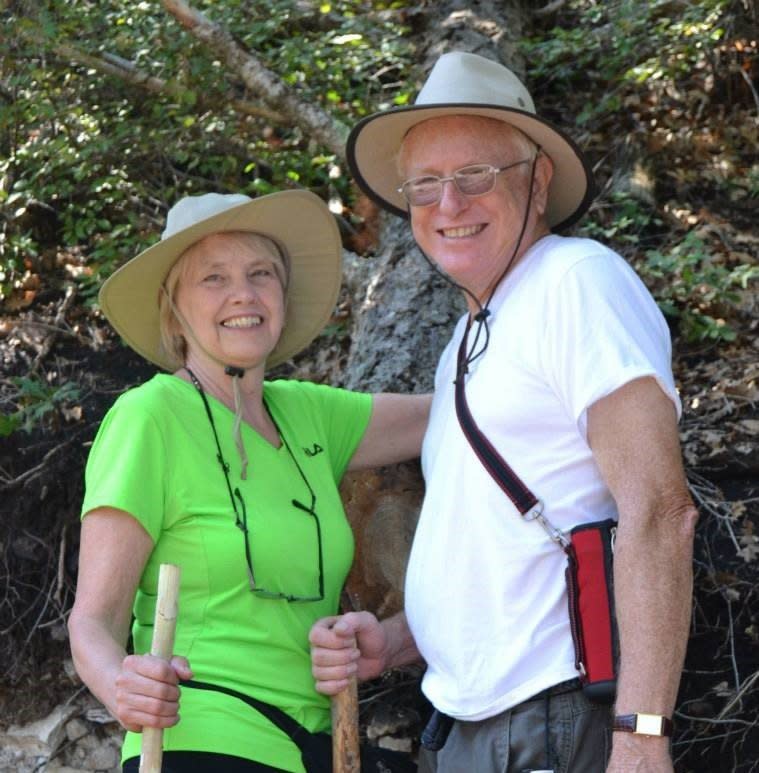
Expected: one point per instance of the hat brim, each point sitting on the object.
(298, 220)
(375, 141)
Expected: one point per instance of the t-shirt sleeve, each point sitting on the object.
(603, 329)
(345, 416)
(127, 465)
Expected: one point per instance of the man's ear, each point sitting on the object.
(543, 176)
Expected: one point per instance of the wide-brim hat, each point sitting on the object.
(466, 84)
(298, 221)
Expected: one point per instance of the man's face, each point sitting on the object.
(473, 238)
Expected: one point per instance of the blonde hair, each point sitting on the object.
(173, 341)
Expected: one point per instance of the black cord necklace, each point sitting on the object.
(235, 497)
(480, 319)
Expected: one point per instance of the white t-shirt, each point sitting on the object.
(485, 590)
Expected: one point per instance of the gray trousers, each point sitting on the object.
(578, 739)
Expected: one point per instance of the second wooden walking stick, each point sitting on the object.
(164, 628)
(345, 749)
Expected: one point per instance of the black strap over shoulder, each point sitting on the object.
(509, 482)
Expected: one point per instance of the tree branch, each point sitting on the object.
(547, 10)
(263, 82)
(127, 71)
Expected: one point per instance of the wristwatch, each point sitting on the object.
(643, 724)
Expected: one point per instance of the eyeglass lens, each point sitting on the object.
(474, 180)
(471, 181)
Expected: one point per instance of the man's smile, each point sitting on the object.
(462, 231)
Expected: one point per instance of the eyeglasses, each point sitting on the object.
(241, 520)
(474, 180)
(242, 524)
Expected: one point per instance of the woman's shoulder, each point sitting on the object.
(287, 389)
(292, 395)
(152, 395)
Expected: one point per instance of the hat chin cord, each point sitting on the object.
(234, 371)
(484, 311)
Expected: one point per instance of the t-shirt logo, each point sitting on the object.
(317, 449)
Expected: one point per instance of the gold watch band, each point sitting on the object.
(643, 724)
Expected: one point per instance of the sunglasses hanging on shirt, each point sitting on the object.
(241, 513)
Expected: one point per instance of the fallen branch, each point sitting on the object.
(547, 10)
(8, 485)
(315, 122)
(750, 85)
(60, 318)
(121, 68)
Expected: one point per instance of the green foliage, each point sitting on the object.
(657, 65)
(38, 403)
(625, 43)
(106, 157)
(695, 287)
(628, 222)
(691, 282)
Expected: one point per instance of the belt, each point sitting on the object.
(439, 726)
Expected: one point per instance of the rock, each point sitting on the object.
(76, 729)
(395, 744)
(70, 670)
(41, 737)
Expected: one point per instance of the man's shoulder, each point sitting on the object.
(565, 257)
(568, 251)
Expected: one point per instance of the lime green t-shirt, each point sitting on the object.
(155, 457)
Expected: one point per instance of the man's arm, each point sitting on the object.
(633, 435)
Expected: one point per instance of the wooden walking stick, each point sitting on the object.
(164, 627)
(345, 752)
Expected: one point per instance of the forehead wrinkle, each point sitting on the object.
(257, 248)
(490, 140)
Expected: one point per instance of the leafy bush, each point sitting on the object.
(107, 157)
(625, 43)
(658, 65)
(37, 403)
(693, 286)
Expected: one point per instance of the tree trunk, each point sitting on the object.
(404, 315)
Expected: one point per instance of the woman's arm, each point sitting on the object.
(395, 430)
(138, 690)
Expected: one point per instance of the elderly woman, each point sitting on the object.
(230, 476)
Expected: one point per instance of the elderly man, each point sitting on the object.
(565, 364)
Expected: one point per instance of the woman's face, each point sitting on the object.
(231, 295)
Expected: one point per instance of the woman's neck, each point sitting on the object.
(218, 384)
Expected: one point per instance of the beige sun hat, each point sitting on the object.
(466, 84)
(298, 221)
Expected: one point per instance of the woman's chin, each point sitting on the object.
(229, 359)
